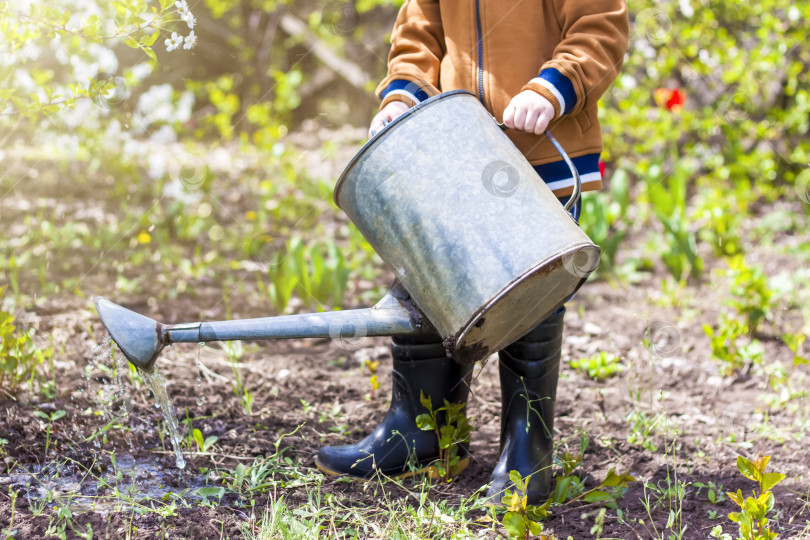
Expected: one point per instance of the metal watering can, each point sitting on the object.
(478, 243)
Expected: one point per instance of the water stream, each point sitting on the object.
(157, 384)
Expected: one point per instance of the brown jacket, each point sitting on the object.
(569, 51)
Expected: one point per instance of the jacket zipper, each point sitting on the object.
(480, 52)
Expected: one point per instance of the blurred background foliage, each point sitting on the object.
(182, 156)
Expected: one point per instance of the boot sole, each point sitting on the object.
(428, 470)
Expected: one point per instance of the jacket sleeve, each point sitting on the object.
(588, 58)
(417, 47)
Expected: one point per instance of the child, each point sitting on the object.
(533, 64)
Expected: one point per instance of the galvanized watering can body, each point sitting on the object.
(484, 248)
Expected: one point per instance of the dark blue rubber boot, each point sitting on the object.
(529, 370)
(397, 447)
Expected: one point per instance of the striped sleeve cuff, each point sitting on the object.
(404, 90)
(555, 87)
(559, 180)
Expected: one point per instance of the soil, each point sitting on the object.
(297, 386)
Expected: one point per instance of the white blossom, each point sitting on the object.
(174, 42)
(189, 19)
(191, 41)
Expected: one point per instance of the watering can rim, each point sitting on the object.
(379, 136)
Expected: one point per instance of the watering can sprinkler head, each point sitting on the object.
(139, 338)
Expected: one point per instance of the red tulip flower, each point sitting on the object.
(672, 99)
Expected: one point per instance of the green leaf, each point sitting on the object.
(736, 497)
(613, 480)
(517, 479)
(41, 415)
(206, 492)
(425, 422)
(535, 528)
(209, 442)
(771, 479)
(597, 496)
(425, 401)
(196, 434)
(60, 414)
(514, 524)
(747, 469)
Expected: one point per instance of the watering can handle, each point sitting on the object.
(574, 172)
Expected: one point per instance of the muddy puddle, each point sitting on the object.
(124, 484)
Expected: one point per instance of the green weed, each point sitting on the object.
(733, 347)
(752, 297)
(20, 358)
(753, 515)
(600, 366)
(452, 431)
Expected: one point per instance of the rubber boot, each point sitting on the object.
(529, 369)
(397, 447)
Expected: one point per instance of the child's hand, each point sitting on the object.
(528, 111)
(387, 114)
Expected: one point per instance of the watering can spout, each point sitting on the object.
(138, 337)
(141, 339)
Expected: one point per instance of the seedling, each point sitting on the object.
(452, 433)
(600, 366)
(734, 356)
(752, 517)
(521, 519)
(19, 356)
(753, 298)
(51, 418)
(203, 445)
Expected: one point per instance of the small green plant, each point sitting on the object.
(600, 366)
(235, 352)
(50, 418)
(726, 345)
(203, 444)
(643, 429)
(752, 297)
(794, 342)
(19, 355)
(373, 380)
(521, 519)
(452, 433)
(10, 531)
(714, 492)
(317, 273)
(753, 515)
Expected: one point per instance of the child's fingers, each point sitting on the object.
(532, 117)
(520, 118)
(542, 123)
(509, 116)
